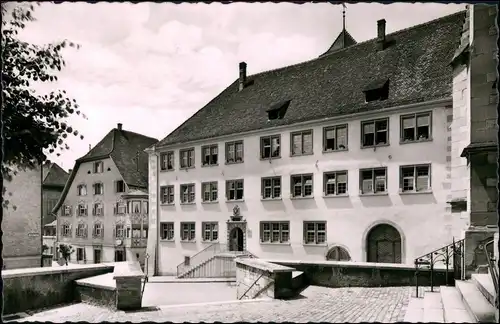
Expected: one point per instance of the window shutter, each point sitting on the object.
(70, 230)
(70, 210)
(94, 212)
(86, 210)
(114, 232)
(85, 229)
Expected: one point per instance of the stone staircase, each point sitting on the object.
(221, 265)
(470, 301)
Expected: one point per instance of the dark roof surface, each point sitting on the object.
(54, 175)
(343, 40)
(416, 62)
(127, 151)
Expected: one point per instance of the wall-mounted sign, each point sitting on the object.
(118, 242)
(33, 234)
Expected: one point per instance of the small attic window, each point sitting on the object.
(278, 110)
(378, 90)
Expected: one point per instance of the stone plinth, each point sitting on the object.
(47, 260)
(474, 256)
(128, 277)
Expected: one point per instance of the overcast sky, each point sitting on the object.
(151, 66)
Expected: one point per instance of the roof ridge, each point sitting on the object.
(322, 56)
(139, 134)
(48, 171)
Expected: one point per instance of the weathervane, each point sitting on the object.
(343, 23)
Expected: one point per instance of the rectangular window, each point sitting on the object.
(210, 154)
(98, 167)
(135, 207)
(98, 209)
(81, 230)
(234, 152)
(416, 127)
(415, 178)
(209, 191)
(335, 183)
(120, 208)
(82, 210)
(274, 232)
(167, 231)
(301, 143)
(145, 207)
(375, 132)
(167, 161)
(271, 188)
(314, 232)
(98, 231)
(373, 180)
(335, 138)
(187, 193)
(270, 147)
(66, 230)
(120, 186)
(80, 254)
(66, 210)
(234, 189)
(187, 158)
(98, 188)
(119, 231)
(301, 185)
(167, 195)
(188, 232)
(81, 190)
(210, 231)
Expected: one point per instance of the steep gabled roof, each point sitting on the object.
(54, 175)
(415, 61)
(343, 40)
(127, 151)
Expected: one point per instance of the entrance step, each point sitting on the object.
(415, 311)
(476, 304)
(433, 308)
(454, 310)
(485, 285)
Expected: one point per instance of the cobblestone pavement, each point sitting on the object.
(318, 304)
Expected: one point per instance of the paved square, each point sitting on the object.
(318, 304)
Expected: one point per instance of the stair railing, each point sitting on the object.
(449, 255)
(491, 266)
(251, 286)
(198, 258)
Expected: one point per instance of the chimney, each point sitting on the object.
(119, 126)
(381, 33)
(243, 75)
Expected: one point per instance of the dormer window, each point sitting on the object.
(278, 110)
(377, 90)
(81, 190)
(98, 167)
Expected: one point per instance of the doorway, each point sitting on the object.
(384, 244)
(97, 256)
(236, 239)
(119, 255)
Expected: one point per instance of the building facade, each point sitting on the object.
(102, 211)
(345, 157)
(22, 220)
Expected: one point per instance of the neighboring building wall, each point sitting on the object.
(22, 230)
(421, 219)
(85, 175)
(50, 197)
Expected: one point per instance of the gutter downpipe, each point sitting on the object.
(157, 245)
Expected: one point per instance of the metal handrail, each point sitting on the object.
(491, 265)
(182, 267)
(444, 255)
(253, 284)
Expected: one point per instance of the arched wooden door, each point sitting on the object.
(338, 253)
(383, 244)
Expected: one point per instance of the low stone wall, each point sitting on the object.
(99, 290)
(362, 274)
(256, 278)
(128, 277)
(34, 288)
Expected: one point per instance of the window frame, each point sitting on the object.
(101, 230)
(190, 158)
(165, 191)
(85, 210)
(123, 184)
(234, 144)
(120, 228)
(95, 186)
(211, 191)
(316, 232)
(94, 209)
(270, 231)
(335, 129)
(66, 230)
(66, 210)
(210, 230)
(169, 232)
(81, 230)
(415, 177)
(191, 193)
(301, 134)
(79, 188)
(336, 184)
(374, 122)
(235, 181)
(415, 127)
(191, 231)
(262, 147)
(373, 192)
(96, 168)
(272, 187)
(210, 148)
(165, 158)
(292, 185)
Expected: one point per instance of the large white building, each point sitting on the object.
(346, 156)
